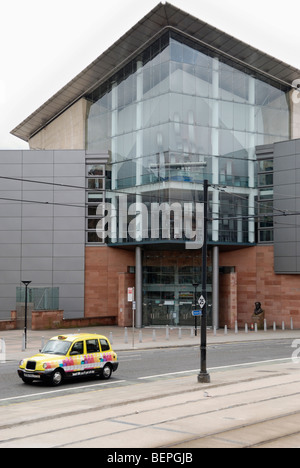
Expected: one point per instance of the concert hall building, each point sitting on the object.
(172, 103)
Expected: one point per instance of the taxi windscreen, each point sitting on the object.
(56, 347)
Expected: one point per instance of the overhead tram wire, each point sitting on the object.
(77, 187)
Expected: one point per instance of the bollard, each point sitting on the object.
(111, 338)
(265, 325)
(274, 326)
(246, 327)
(140, 336)
(154, 335)
(126, 336)
(192, 332)
(167, 333)
(292, 324)
(23, 342)
(255, 327)
(225, 330)
(42, 342)
(215, 331)
(179, 334)
(2, 352)
(283, 326)
(236, 327)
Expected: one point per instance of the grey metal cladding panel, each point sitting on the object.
(7, 304)
(9, 264)
(285, 234)
(285, 265)
(68, 264)
(10, 224)
(8, 291)
(69, 250)
(68, 170)
(36, 210)
(38, 223)
(9, 277)
(39, 278)
(37, 264)
(64, 182)
(67, 277)
(37, 250)
(285, 180)
(285, 191)
(69, 224)
(10, 237)
(37, 237)
(69, 157)
(284, 148)
(71, 290)
(69, 237)
(10, 250)
(285, 163)
(37, 157)
(285, 249)
(8, 185)
(74, 197)
(10, 157)
(10, 209)
(11, 170)
(69, 211)
(37, 170)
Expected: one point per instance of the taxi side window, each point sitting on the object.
(104, 345)
(92, 346)
(77, 348)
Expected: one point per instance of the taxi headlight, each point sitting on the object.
(21, 363)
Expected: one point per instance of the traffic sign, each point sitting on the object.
(197, 313)
(202, 302)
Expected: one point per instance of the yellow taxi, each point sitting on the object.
(70, 356)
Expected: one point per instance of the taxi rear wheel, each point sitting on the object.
(57, 378)
(106, 372)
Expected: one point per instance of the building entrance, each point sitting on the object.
(168, 288)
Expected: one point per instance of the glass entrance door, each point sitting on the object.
(168, 291)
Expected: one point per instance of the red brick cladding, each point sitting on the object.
(256, 281)
(106, 283)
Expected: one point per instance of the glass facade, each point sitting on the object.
(174, 116)
(178, 114)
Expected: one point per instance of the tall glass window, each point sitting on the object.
(178, 114)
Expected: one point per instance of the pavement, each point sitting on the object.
(254, 405)
(126, 339)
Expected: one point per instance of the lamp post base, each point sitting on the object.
(203, 378)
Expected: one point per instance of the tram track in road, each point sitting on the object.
(182, 419)
(241, 436)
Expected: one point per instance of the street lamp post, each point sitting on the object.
(204, 377)
(26, 284)
(195, 300)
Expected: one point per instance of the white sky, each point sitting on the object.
(46, 43)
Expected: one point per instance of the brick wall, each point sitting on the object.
(257, 282)
(106, 271)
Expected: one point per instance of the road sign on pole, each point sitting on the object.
(130, 294)
(202, 302)
(197, 313)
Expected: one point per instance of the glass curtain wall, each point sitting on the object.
(179, 114)
(174, 116)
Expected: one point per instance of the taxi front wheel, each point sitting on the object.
(57, 378)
